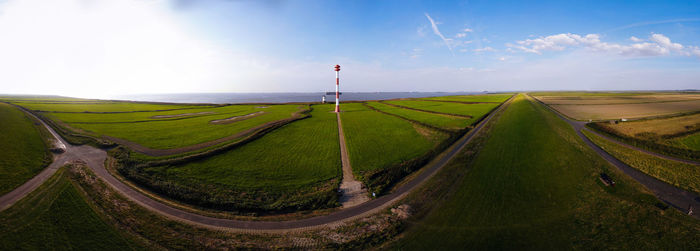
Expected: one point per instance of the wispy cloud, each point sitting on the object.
(679, 20)
(484, 49)
(439, 34)
(659, 45)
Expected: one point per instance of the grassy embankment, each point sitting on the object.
(23, 148)
(56, 216)
(679, 174)
(535, 185)
(493, 98)
(295, 167)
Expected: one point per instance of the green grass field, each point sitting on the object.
(57, 217)
(475, 110)
(688, 142)
(437, 120)
(285, 167)
(377, 140)
(167, 133)
(679, 174)
(496, 98)
(100, 106)
(24, 151)
(534, 185)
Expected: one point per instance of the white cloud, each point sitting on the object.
(468, 30)
(484, 49)
(660, 45)
(636, 39)
(461, 35)
(665, 42)
(438, 33)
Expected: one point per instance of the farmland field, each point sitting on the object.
(534, 184)
(172, 129)
(617, 99)
(476, 111)
(57, 217)
(604, 106)
(437, 120)
(24, 150)
(494, 98)
(679, 174)
(674, 131)
(295, 166)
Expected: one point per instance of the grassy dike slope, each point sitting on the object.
(57, 217)
(294, 167)
(534, 185)
(23, 152)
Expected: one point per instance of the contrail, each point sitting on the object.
(437, 32)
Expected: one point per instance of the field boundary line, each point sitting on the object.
(448, 131)
(421, 110)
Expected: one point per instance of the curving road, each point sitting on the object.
(95, 159)
(678, 198)
(92, 156)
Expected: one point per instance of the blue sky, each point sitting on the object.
(96, 48)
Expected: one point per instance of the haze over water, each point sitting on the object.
(224, 98)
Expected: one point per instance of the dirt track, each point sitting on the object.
(95, 159)
(672, 195)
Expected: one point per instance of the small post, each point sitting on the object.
(337, 84)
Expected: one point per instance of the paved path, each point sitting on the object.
(91, 155)
(672, 195)
(95, 160)
(353, 192)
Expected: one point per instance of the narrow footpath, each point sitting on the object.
(352, 191)
(95, 160)
(677, 197)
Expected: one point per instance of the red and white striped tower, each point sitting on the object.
(337, 83)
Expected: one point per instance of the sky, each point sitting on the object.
(90, 48)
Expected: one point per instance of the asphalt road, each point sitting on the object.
(678, 198)
(91, 155)
(95, 159)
